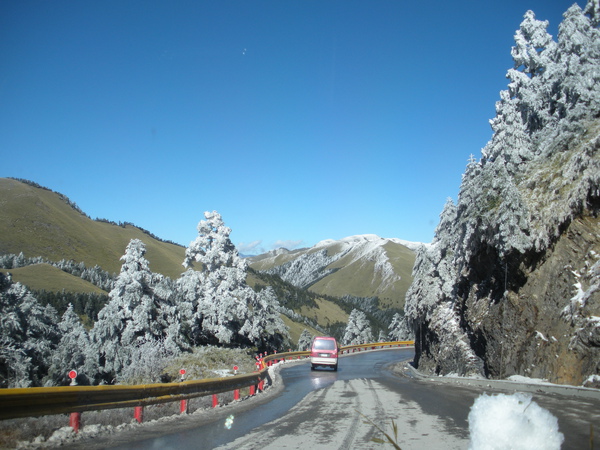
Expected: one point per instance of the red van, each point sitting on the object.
(324, 352)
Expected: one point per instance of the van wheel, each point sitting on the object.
(335, 368)
(312, 367)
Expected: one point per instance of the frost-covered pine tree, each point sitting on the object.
(264, 326)
(73, 352)
(216, 294)
(578, 58)
(28, 336)
(358, 330)
(304, 341)
(398, 329)
(141, 309)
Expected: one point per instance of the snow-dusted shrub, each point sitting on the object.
(147, 363)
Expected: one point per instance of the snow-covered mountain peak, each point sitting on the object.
(361, 239)
(364, 265)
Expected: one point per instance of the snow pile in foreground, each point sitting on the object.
(512, 422)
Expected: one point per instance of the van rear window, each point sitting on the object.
(324, 344)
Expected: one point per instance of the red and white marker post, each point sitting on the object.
(74, 418)
(236, 392)
(183, 406)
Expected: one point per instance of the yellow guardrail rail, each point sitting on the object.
(33, 402)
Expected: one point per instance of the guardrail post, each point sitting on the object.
(252, 389)
(75, 421)
(236, 394)
(215, 401)
(183, 407)
(261, 385)
(138, 413)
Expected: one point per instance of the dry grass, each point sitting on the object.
(325, 314)
(38, 222)
(49, 278)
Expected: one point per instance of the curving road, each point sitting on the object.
(326, 409)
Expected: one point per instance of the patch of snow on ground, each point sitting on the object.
(522, 379)
(541, 336)
(592, 379)
(512, 421)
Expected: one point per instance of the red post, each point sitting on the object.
(215, 401)
(236, 394)
(138, 413)
(252, 389)
(183, 407)
(261, 385)
(75, 421)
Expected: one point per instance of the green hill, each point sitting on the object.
(44, 277)
(39, 222)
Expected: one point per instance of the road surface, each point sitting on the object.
(326, 409)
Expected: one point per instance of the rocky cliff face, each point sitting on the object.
(511, 283)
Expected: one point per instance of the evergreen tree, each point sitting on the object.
(304, 341)
(579, 58)
(73, 352)
(141, 309)
(358, 330)
(28, 335)
(217, 294)
(264, 326)
(398, 329)
(533, 46)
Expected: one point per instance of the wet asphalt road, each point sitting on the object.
(320, 409)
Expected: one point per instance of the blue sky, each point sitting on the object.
(297, 120)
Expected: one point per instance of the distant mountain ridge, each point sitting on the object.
(40, 222)
(361, 266)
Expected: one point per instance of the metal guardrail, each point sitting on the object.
(33, 402)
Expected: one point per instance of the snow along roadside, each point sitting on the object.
(522, 384)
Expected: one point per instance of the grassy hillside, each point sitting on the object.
(325, 313)
(40, 277)
(39, 222)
